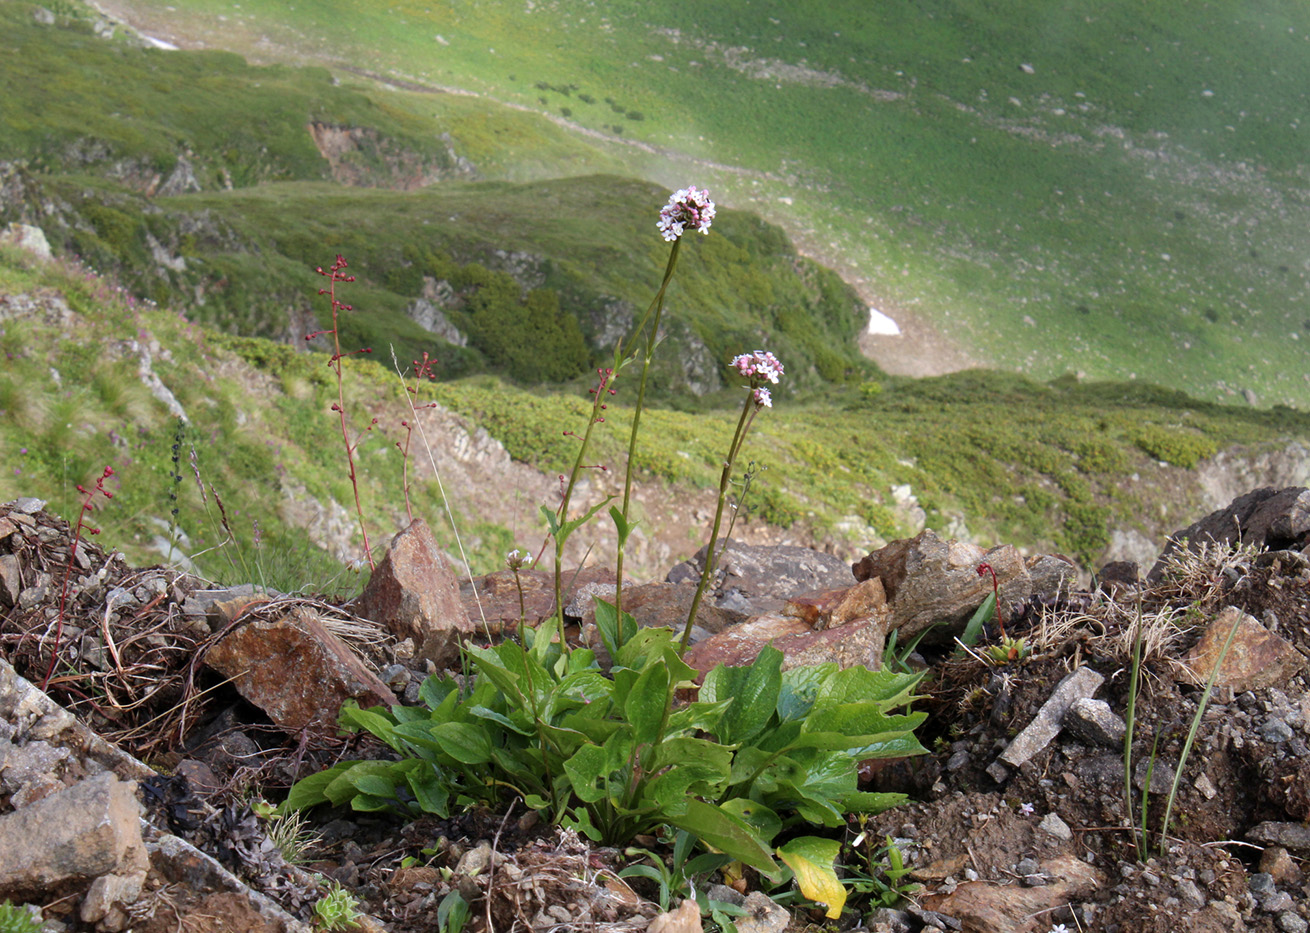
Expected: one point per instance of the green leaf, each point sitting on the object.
(435, 688)
(760, 818)
(648, 702)
(377, 723)
(309, 792)
(375, 785)
(812, 859)
(430, 791)
(858, 720)
(728, 834)
(983, 615)
(754, 691)
(800, 686)
(859, 684)
(344, 786)
(589, 772)
(870, 803)
(622, 525)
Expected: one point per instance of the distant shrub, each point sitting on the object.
(1179, 447)
(635, 115)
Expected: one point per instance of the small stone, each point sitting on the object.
(1092, 721)
(1046, 724)
(27, 505)
(1294, 836)
(1162, 776)
(1051, 823)
(1256, 658)
(1205, 787)
(957, 761)
(1262, 883)
(1190, 894)
(1274, 731)
(1276, 903)
(1151, 878)
(1027, 866)
(396, 676)
(1291, 922)
(1278, 863)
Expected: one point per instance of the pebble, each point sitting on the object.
(957, 761)
(1056, 827)
(1190, 894)
(1262, 883)
(1290, 922)
(1274, 731)
(1027, 866)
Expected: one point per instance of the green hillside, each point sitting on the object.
(1110, 188)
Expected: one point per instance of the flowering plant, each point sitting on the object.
(687, 207)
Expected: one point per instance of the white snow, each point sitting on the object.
(880, 323)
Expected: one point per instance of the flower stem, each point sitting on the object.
(725, 481)
(652, 338)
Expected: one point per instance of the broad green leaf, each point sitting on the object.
(622, 525)
(309, 791)
(588, 771)
(375, 785)
(687, 750)
(377, 723)
(645, 643)
(800, 686)
(698, 716)
(728, 834)
(430, 791)
(812, 859)
(859, 684)
(763, 820)
(367, 803)
(490, 666)
(647, 704)
(435, 688)
(481, 712)
(859, 719)
(343, 787)
(754, 691)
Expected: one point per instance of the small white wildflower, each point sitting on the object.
(1026, 809)
(762, 398)
(687, 207)
(1059, 928)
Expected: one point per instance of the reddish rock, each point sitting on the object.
(1257, 658)
(413, 594)
(1005, 907)
(296, 671)
(850, 645)
(864, 600)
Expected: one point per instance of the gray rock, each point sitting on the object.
(90, 829)
(767, 576)
(1046, 724)
(1162, 775)
(1274, 731)
(1291, 922)
(1271, 518)
(1294, 836)
(888, 920)
(1093, 722)
(1190, 894)
(1262, 883)
(1051, 823)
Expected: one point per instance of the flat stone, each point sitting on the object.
(296, 671)
(413, 593)
(1052, 824)
(90, 829)
(492, 601)
(1093, 722)
(863, 601)
(1008, 908)
(1278, 863)
(741, 644)
(1256, 659)
(108, 892)
(1293, 836)
(1046, 724)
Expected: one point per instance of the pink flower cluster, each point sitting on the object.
(687, 207)
(759, 366)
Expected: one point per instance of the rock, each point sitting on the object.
(668, 605)
(863, 601)
(26, 237)
(1002, 907)
(1118, 576)
(1046, 724)
(1294, 836)
(495, 597)
(766, 577)
(1256, 659)
(90, 829)
(686, 919)
(109, 892)
(1052, 824)
(296, 671)
(762, 914)
(1274, 731)
(1162, 775)
(1267, 517)
(413, 593)
(1093, 722)
(930, 582)
(851, 645)
(1278, 863)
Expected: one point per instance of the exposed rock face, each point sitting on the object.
(363, 158)
(1256, 658)
(1266, 517)
(413, 593)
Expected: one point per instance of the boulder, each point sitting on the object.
(753, 580)
(931, 582)
(1267, 517)
(413, 593)
(296, 671)
(850, 645)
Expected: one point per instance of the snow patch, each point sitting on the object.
(880, 323)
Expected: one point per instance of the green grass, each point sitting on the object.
(1028, 215)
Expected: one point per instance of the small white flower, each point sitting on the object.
(1025, 809)
(762, 398)
(1059, 928)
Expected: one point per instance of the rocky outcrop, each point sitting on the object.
(1268, 518)
(364, 158)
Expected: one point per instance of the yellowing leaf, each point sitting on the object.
(812, 859)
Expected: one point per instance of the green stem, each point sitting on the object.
(1140, 843)
(652, 338)
(743, 425)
